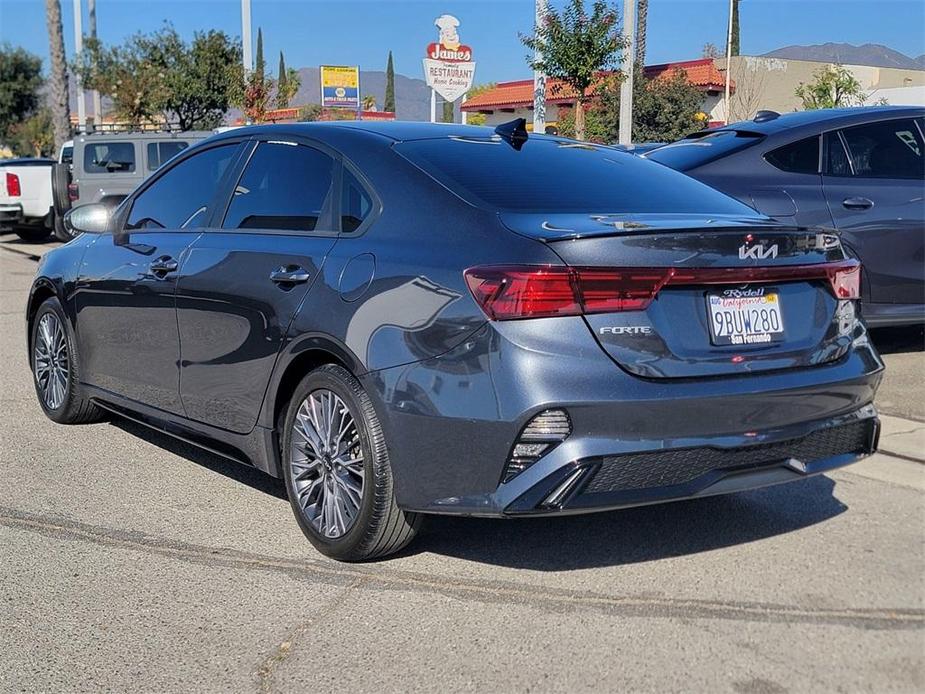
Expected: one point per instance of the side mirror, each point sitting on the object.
(93, 218)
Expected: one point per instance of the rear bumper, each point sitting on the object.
(451, 422)
(10, 214)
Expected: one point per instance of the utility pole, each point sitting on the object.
(248, 59)
(78, 47)
(626, 87)
(97, 104)
(539, 78)
(728, 64)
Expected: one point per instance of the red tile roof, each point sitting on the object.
(519, 94)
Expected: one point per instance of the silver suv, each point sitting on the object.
(106, 167)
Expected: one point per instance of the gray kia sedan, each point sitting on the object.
(401, 319)
(859, 171)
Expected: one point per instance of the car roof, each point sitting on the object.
(820, 119)
(397, 131)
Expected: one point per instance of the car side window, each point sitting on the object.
(160, 152)
(180, 198)
(835, 157)
(888, 149)
(109, 157)
(801, 156)
(285, 186)
(355, 205)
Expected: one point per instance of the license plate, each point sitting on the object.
(745, 317)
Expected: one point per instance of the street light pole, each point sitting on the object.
(78, 47)
(539, 78)
(247, 58)
(97, 104)
(626, 87)
(728, 65)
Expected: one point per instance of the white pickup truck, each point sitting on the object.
(26, 204)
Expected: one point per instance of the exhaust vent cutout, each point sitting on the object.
(543, 433)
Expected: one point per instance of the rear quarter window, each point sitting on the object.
(801, 156)
(550, 175)
(109, 157)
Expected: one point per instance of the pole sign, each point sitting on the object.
(340, 87)
(448, 67)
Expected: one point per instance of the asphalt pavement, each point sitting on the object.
(130, 562)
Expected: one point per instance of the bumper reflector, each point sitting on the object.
(541, 434)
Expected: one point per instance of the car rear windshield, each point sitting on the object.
(551, 175)
(692, 152)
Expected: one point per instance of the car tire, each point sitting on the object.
(378, 526)
(52, 345)
(33, 234)
(61, 232)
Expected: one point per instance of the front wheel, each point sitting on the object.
(337, 471)
(56, 368)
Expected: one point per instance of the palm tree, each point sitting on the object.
(642, 14)
(60, 110)
(369, 103)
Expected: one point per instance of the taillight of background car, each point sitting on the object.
(12, 185)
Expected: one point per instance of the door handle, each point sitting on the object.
(857, 203)
(290, 274)
(163, 265)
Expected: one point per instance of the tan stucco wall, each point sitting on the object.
(769, 83)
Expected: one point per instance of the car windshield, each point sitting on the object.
(692, 152)
(554, 175)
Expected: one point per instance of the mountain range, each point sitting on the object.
(873, 54)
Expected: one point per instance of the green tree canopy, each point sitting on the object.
(20, 80)
(575, 47)
(34, 136)
(160, 74)
(665, 109)
(833, 86)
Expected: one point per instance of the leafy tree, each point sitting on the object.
(287, 84)
(368, 103)
(20, 79)
(833, 86)
(448, 113)
(642, 17)
(389, 104)
(310, 112)
(60, 109)
(260, 67)
(34, 136)
(664, 109)
(576, 47)
(478, 118)
(160, 74)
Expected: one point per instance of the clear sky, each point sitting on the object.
(312, 32)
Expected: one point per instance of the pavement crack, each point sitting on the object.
(379, 577)
(269, 665)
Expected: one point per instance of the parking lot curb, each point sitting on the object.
(902, 438)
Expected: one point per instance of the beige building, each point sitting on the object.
(770, 83)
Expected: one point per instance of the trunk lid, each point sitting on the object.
(739, 295)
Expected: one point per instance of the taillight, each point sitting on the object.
(509, 292)
(12, 185)
(846, 281)
(72, 192)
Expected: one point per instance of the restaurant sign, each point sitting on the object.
(448, 67)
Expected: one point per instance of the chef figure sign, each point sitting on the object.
(448, 67)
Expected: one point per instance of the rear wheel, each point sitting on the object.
(337, 471)
(56, 367)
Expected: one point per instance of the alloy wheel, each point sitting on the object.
(326, 463)
(52, 363)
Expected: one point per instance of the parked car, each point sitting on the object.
(25, 197)
(106, 167)
(401, 319)
(860, 171)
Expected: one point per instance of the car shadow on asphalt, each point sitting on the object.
(612, 538)
(634, 535)
(899, 339)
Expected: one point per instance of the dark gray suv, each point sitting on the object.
(858, 171)
(401, 319)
